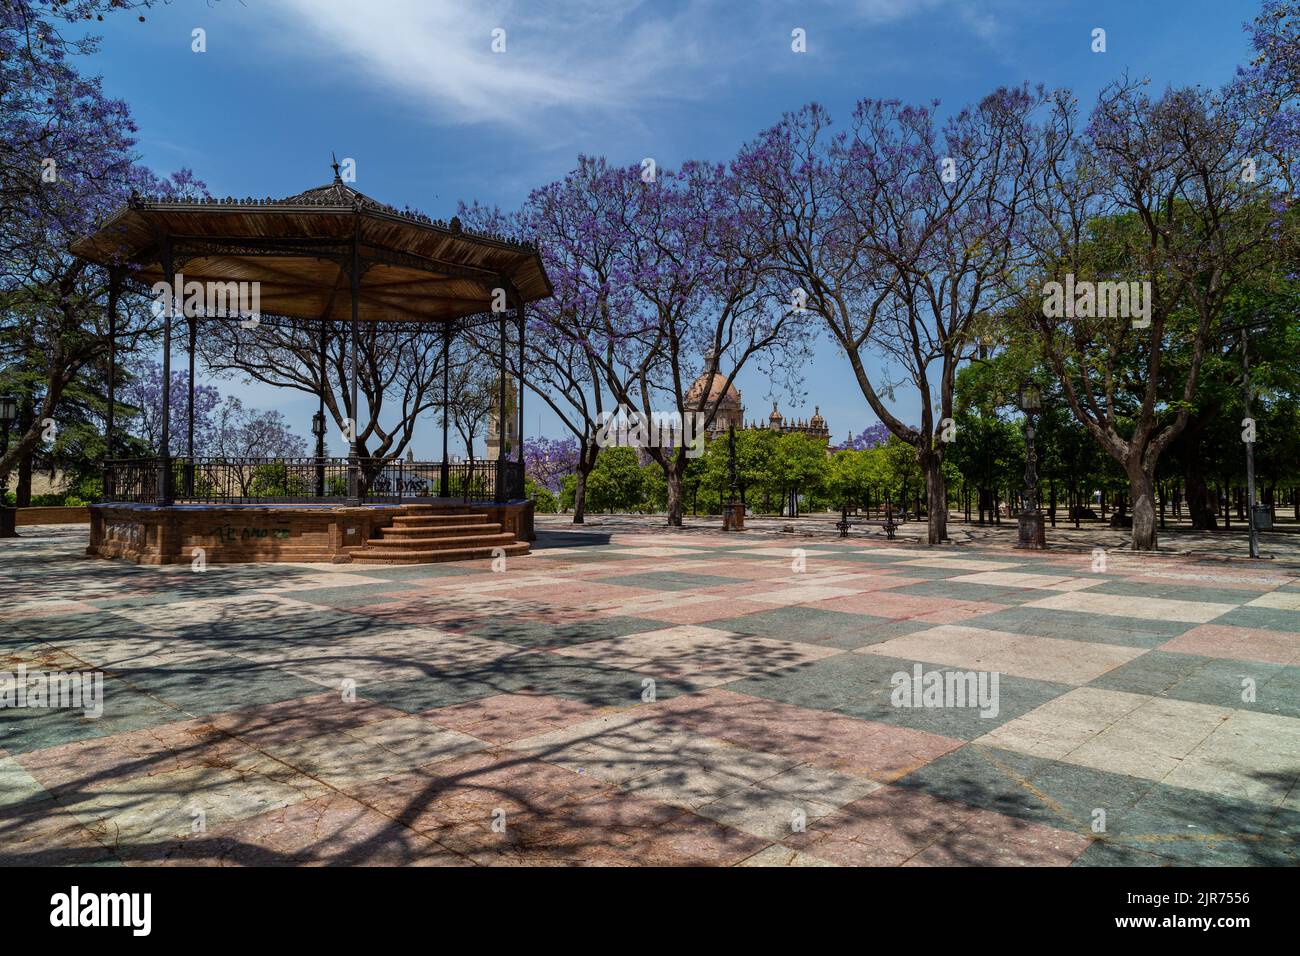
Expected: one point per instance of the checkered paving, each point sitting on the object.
(655, 699)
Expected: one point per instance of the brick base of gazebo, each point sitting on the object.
(241, 534)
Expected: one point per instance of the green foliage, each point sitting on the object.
(544, 500)
(616, 483)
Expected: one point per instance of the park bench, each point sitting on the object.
(844, 525)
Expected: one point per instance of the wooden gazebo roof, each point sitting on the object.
(300, 250)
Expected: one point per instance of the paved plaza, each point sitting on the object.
(633, 696)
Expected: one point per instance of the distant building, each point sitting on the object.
(814, 427)
(731, 411)
(512, 422)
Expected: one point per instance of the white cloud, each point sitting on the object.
(602, 55)
(564, 59)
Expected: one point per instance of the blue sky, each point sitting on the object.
(413, 92)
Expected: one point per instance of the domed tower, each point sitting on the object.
(726, 398)
(817, 426)
(776, 421)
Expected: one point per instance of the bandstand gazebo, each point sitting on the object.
(331, 260)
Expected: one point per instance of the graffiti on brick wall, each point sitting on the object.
(128, 532)
(229, 534)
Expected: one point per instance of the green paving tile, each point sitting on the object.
(672, 580)
(416, 572)
(243, 623)
(217, 684)
(18, 787)
(1175, 592)
(1208, 680)
(858, 685)
(1197, 829)
(1028, 788)
(962, 591)
(852, 553)
(529, 633)
(425, 693)
(125, 709)
(1078, 626)
(355, 595)
(587, 682)
(66, 627)
(1146, 823)
(721, 555)
(935, 575)
(810, 625)
(1273, 619)
(559, 556)
(1103, 853)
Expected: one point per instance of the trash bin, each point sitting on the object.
(1263, 518)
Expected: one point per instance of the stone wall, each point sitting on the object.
(30, 516)
(232, 534)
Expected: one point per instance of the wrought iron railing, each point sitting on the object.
(213, 480)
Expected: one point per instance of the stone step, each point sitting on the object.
(434, 544)
(403, 556)
(441, 530)
(436, 518)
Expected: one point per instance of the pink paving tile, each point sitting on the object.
(1215, 578)
(893, 825)
(469, 789)
(53, 607)
(556, 615)
(856, 747)
(606, 829)
(749, 588)
(708, 611)
(506, 717)
(331, 830)
(46, 835)
(432, 611)
(754, 571)
(1237, 643)
(291, 720)
(692, 840)
(929, 610)
(580, 593)
(1003, 842)
(98, 760)
(877, 581)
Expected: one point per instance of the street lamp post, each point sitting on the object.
(1032, 534)
(1250, 444)
(1260, 324)
(8, 515)
(318, 429)
(733, 511)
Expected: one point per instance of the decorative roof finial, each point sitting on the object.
(335, 164)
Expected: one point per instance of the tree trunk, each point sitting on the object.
(23, 490)
(1198, 501)
(673, 478)
(1143, 505)
(580, 497)
(936, 498)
